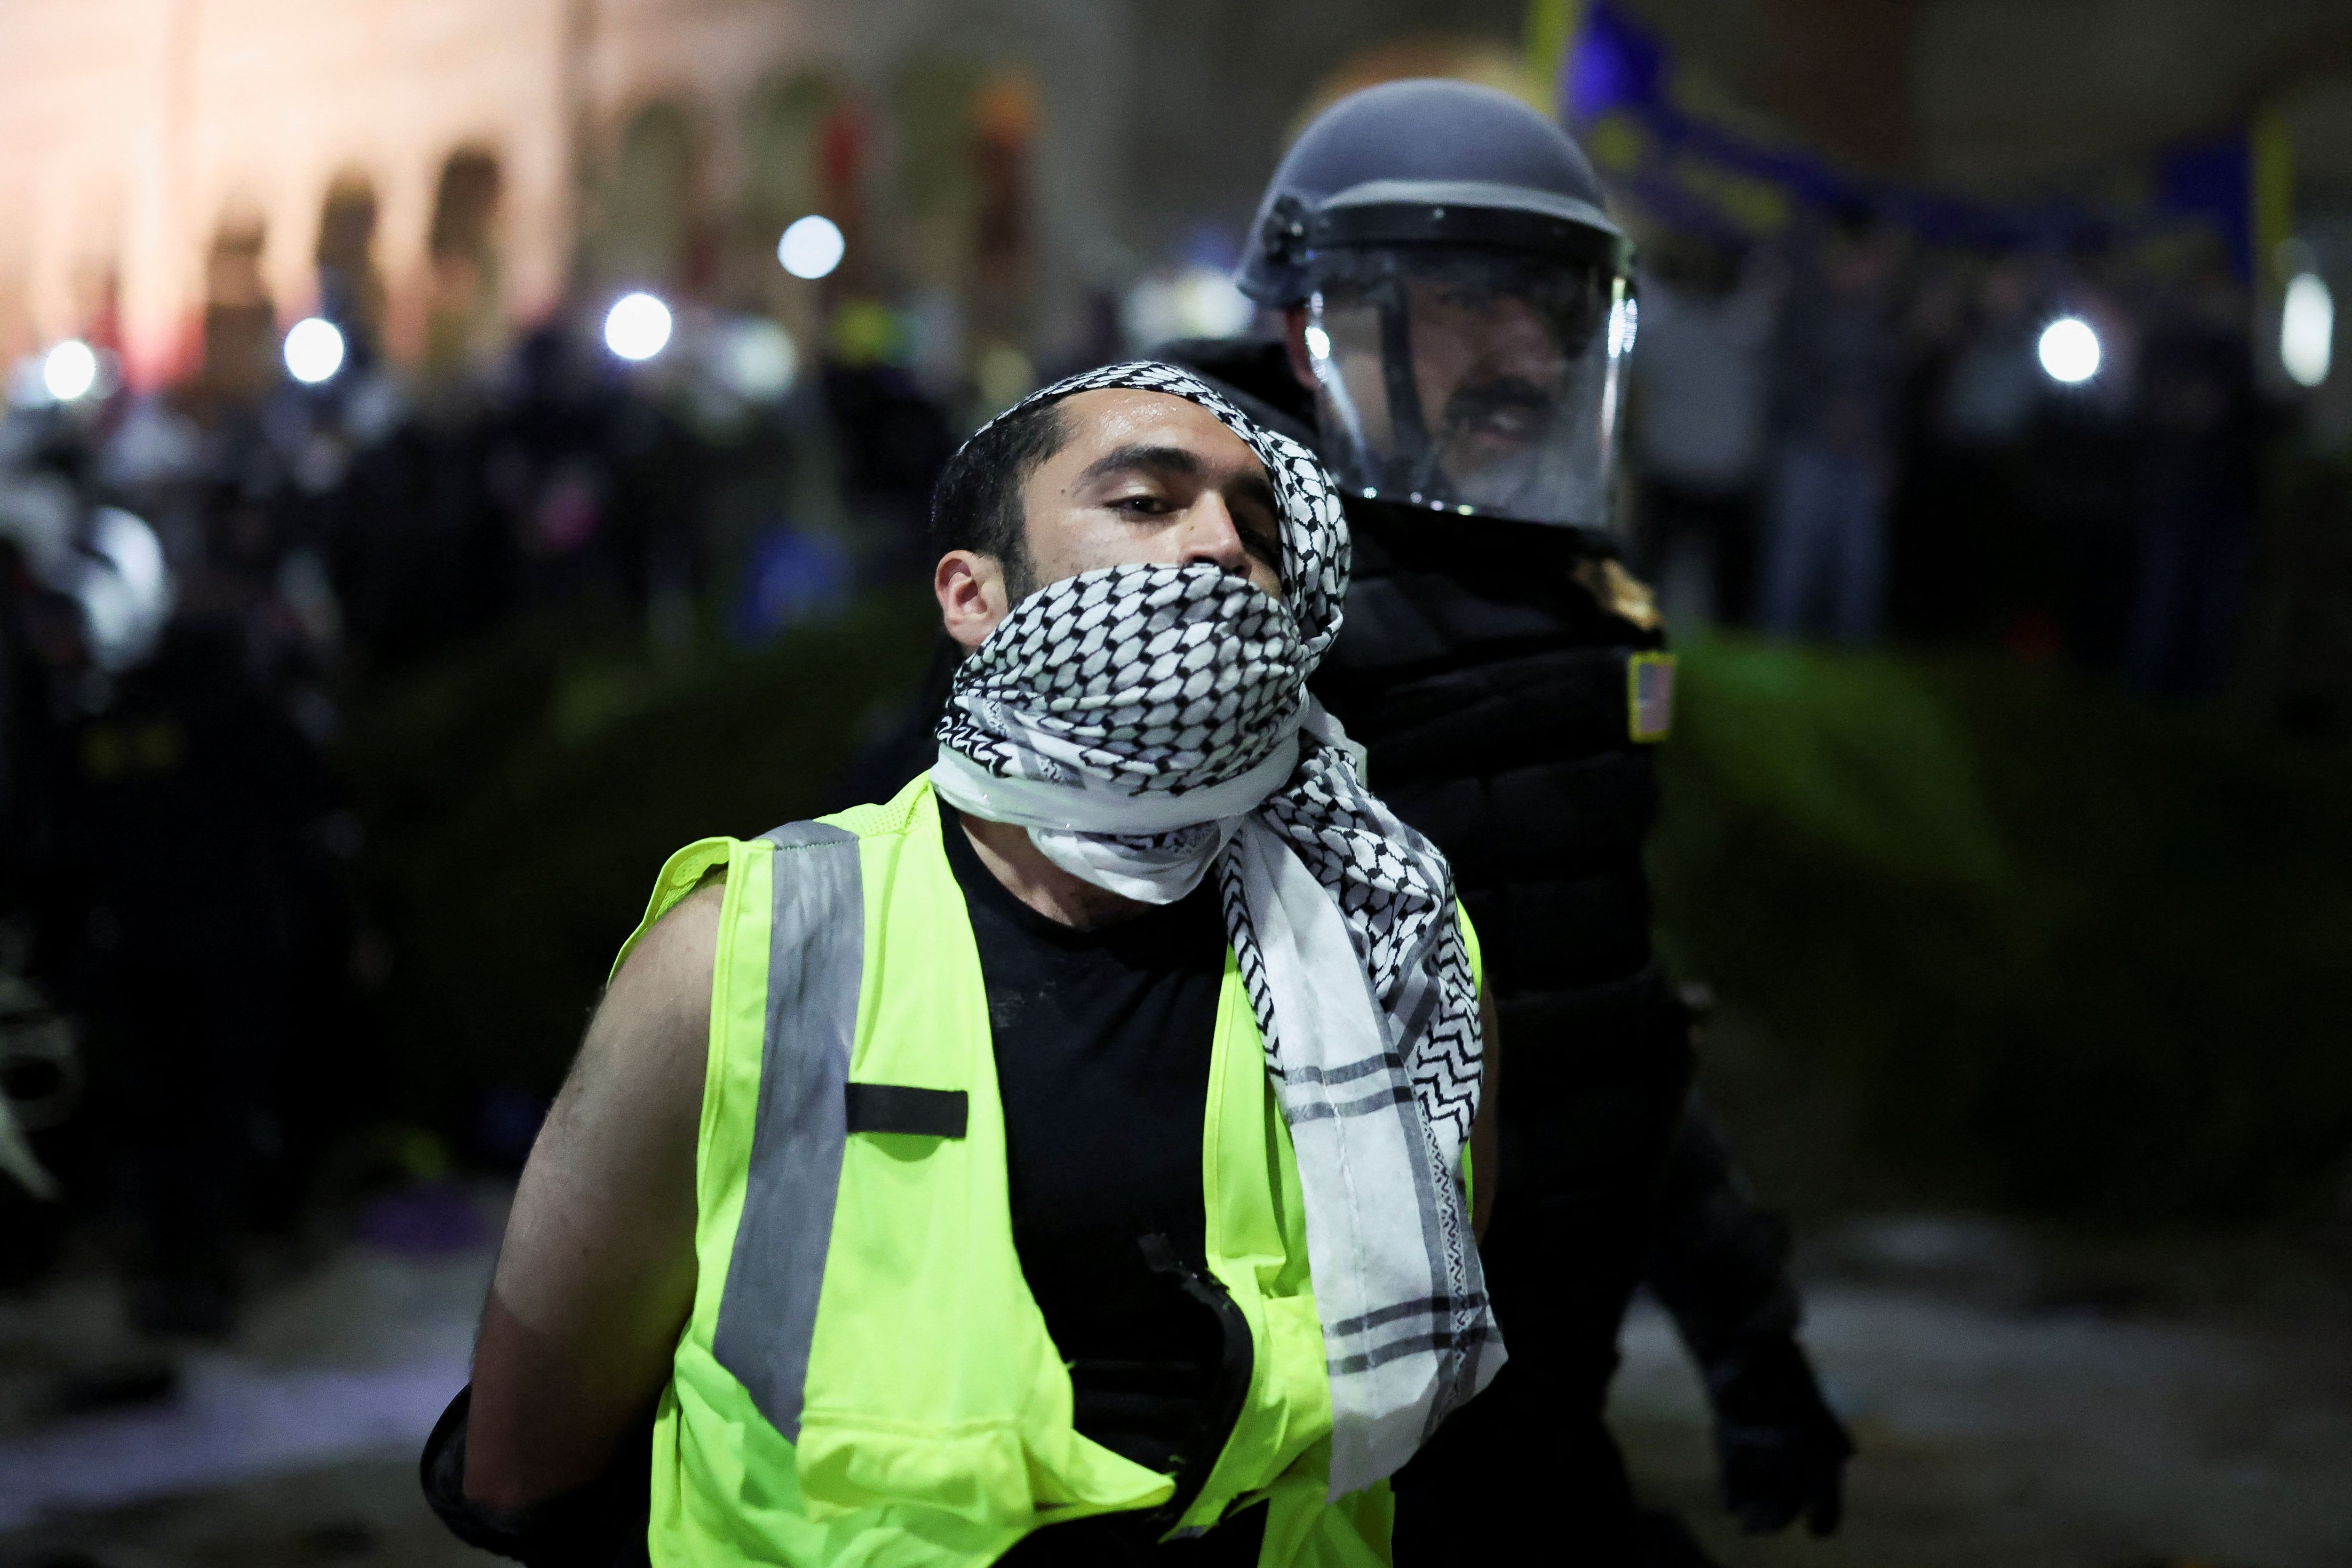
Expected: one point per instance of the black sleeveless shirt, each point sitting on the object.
(1102, 1040)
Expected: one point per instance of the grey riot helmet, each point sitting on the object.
(1469, 305)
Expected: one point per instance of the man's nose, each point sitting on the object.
(1517, 344)
(1209, 534)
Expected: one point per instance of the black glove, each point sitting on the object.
(1781, 1449)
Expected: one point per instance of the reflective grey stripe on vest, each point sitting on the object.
(816, 955)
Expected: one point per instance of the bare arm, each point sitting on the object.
(1486, 1142)
(596, 1274)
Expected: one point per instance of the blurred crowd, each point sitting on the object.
(1841, 436)
(1845, 434)
(195, 583)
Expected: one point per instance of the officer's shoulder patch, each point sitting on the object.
(1650, 696)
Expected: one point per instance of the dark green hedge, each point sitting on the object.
(2077, 951)
(520, 793)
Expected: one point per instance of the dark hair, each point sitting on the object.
(977, 504)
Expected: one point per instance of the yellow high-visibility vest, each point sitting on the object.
(866, 1377)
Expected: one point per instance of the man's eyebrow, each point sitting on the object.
(1141, 455)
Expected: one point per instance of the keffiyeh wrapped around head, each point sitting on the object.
(1147, 723)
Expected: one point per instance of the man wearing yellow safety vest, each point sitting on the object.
(1066, 1161)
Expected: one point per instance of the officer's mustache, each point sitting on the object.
(1508, 405)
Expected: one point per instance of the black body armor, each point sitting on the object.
(1488, 667)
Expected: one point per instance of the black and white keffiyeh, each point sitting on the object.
(1147, 723)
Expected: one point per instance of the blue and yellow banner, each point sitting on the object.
(1644, 120)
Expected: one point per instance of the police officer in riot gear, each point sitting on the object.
(1459, 312)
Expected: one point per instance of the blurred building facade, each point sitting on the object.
(169, 154)
(184, 171)
(1003, 163)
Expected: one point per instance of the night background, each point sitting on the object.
(455, 454)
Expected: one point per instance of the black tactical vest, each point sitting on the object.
(1493, 688)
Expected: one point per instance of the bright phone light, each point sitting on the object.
(69, 369)
(811, 247)
(314, 350)
(636, 327)
(757, 360)
(2069, 350)
(2307, 329)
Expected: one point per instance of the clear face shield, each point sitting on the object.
(1477, 381)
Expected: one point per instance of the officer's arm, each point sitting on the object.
(1485, 1142)
(596, 1274)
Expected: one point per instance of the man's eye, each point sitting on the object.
(1140, 506)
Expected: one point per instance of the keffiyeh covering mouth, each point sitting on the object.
(1150, 723)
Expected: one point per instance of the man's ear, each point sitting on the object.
(1293, 338)
(973, 595)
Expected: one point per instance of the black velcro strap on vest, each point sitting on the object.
(897, 1108)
